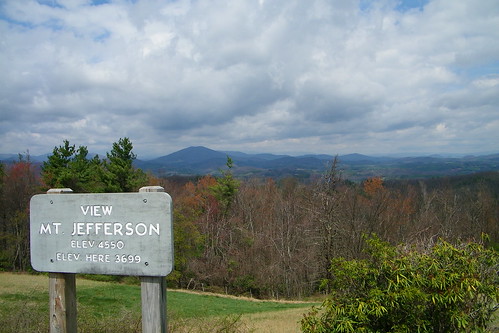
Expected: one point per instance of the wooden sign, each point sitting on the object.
(105, 233)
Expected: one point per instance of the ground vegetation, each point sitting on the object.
(441, 288)
(261, 237)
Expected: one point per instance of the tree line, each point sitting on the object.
(278, 238)
(67, 167)
(261, 237)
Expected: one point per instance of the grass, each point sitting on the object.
(189, 305)
(112, 307)
(286, 321)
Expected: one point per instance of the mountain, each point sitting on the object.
(15, 157)
(192, 155)
(364, 159)
(201, 161)
(237, 154)
(8, 157)
(191, 160)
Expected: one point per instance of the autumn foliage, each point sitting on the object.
(19, 182)
(264, 237)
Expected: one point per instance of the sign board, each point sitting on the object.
(108, 233)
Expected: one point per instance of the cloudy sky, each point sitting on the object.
(279, 76)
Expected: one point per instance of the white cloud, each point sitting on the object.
(281, 76)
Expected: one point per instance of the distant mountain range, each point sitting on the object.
(201, 160)
(7, 158)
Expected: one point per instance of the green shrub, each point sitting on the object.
(443, 289)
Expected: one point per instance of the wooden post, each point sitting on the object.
(153, 294)
(62, 294)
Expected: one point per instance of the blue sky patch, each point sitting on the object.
(50, 3)
(401, 6)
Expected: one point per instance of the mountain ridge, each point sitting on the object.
(200, 160)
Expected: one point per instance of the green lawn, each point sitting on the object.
(112, 307)
(191, 305)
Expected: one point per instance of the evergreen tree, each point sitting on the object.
(226, 188)
(70, 167)
(119, 173)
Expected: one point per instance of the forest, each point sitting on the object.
(265, 238)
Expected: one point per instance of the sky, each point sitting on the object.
(376, 77)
